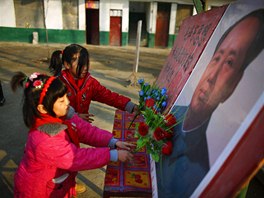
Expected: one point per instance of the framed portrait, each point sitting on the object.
(220, 108)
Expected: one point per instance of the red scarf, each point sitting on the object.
(76, 83)
(47, 119)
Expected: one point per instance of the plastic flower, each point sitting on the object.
(141, 93)
(150, 103)
(140, 81)
(33, 76)
(159, 134)
(143, 129)
(156, 132)
(167, 148)
(168, 135)
(37, 84)
(154, 93)
(170, 120)
(164, 104)
(163, 91)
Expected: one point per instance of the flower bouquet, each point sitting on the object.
(156, 131)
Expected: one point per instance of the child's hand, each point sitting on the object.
(87, 117)
(125, 145)
(136, 109)
(124, 156)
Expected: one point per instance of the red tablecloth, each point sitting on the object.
(132, 177)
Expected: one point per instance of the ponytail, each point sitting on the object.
(18, 79)
(56, 63)
(30, 100)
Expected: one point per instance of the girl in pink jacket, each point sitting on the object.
(52, 154)
(72, 65)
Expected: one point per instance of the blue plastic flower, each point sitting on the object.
(140, 81)
(141, 93)
(163, 91)
(164, 104)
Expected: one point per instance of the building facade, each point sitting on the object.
(102, 22)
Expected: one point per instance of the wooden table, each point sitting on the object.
(130, 179)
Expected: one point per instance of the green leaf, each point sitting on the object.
(155, 157)
(141, 143)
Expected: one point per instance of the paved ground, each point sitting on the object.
(112, 66)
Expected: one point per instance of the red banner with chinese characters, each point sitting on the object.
(193, 36)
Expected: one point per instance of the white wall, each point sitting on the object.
(7, 10)
(53, 14)
(125, 17)
(173, 18)
(151, 17)
(104, 15)
(81, 16)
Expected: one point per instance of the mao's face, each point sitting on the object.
(224, 71)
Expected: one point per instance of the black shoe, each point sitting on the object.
(2, 102)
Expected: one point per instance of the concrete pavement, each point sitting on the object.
(112, 66)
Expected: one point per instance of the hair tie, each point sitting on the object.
(25, 80)
(45, 88)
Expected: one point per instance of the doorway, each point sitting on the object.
(92, 26)
(115, 28)
(162, 25)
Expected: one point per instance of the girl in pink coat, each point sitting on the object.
(52, 154)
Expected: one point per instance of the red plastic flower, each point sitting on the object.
(150, 102)
(167, 148)
(168, 134)
(159, 134)
(37, 83)
(170, 120)
(143, 129)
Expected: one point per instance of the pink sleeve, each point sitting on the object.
(58, 151)
(91, 135)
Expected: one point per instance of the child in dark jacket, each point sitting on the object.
(52, 154)
(82, 87)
